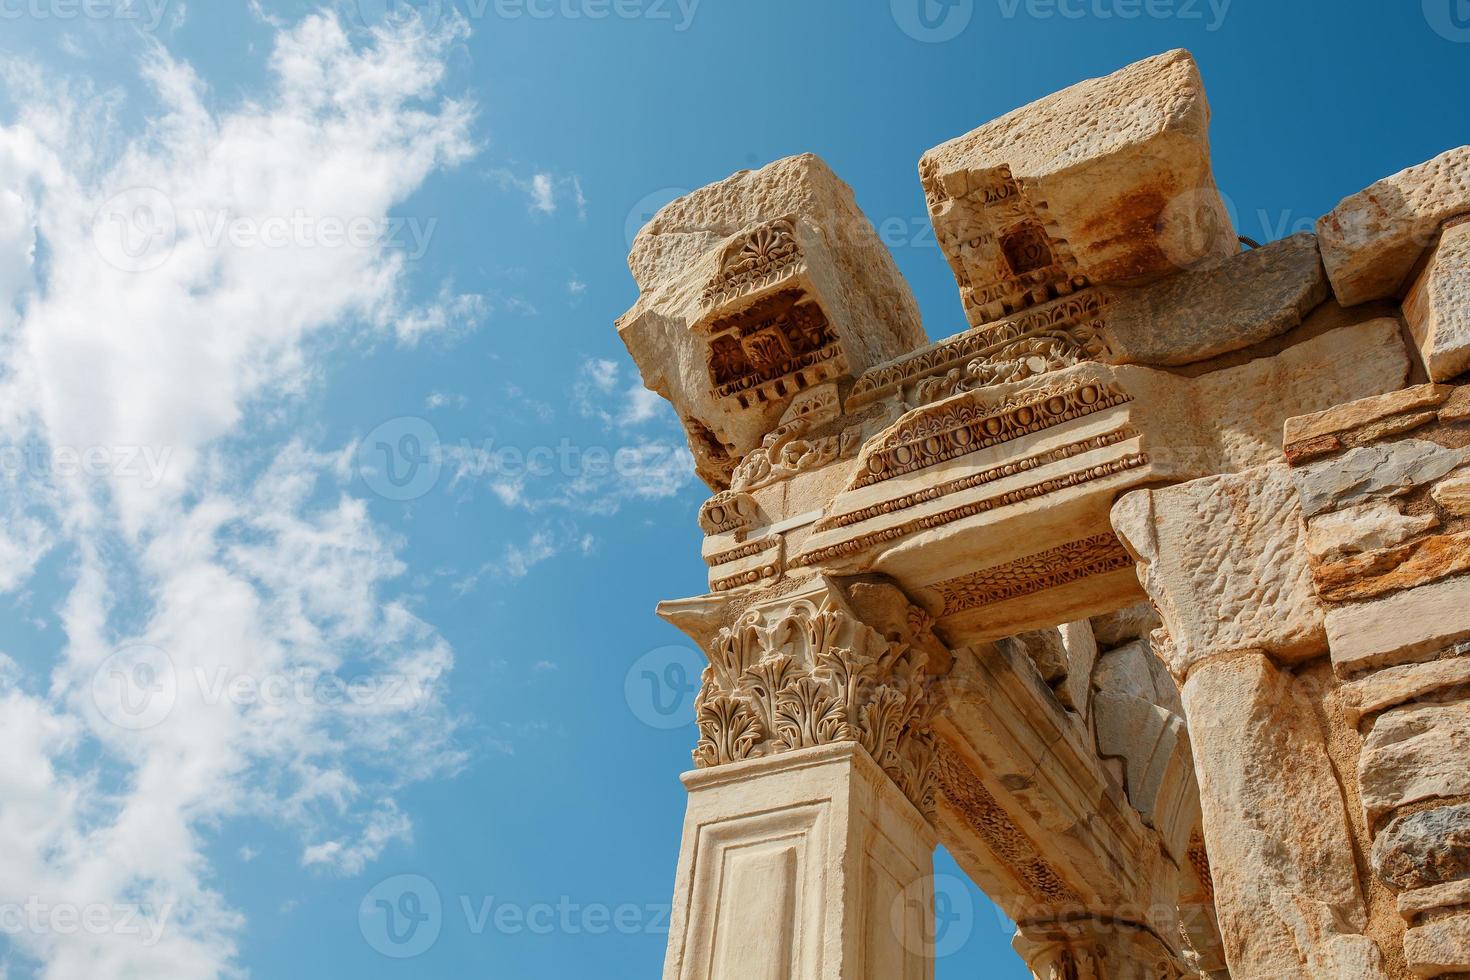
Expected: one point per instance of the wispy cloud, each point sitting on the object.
(246, 557)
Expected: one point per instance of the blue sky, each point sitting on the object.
(333, 516)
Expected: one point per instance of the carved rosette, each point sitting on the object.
(812, 674)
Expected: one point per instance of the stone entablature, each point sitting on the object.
(1146, 594)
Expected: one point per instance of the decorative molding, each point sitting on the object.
(964, 791)
(757, 260)
(752, 576)
(1023, 465)
(748, 550)
(1050, 569)
(727, 511)
(813, 674)
(1100, 471)
(780, 345)
(953, 429)
(1073, 323)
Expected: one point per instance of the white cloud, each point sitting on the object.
(544, 190)
(145, 329)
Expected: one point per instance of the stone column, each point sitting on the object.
(1094, 949)
(807, 852)
(1223, 562)
(806, 864)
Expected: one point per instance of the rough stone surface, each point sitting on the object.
(1373, 471)
(1453, 494)
(1439, 947)
(1286, 888)
(1396, 685)
(1445, 896)
(1413, 753)
(1419, 850)
(1364, 412)
(1403, 567)
(1437, 308)
(1364, 527)
(1222, 560)
(1125, 625)
(1118, 167)
(760, 290)
(1371, 240)
(1195, 315)
(1412, 625)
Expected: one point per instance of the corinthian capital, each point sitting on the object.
(821, 664)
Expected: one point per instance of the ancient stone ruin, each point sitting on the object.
(1147, 594)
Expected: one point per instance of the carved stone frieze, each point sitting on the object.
(780, 345)
(807, 672)
(763, 257)
(727, 511)
(1050, 569)
(955, 428)
(1059, 333)
(1076, 478)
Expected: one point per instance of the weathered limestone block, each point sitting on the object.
(1108, 181)
(1125, 625)
(1441, 946)
(1454, 495)
(1153, 745)
(1417, 624)
(1222, 560)
(807, 864)
(1235, 303)
(1449, 895)
(1372, 526)
(1372, 240)
(1414, 753)
(1425, 849)
(1365, 421)
(1286, 887)
(1393, 686)
(758, 290)
(1382, 470)
(1437, 308)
